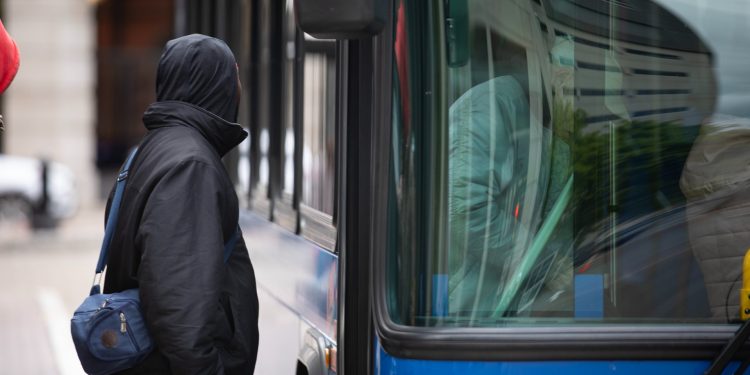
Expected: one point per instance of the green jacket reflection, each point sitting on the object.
(489, 143)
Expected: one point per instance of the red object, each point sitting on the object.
(401, 51)
(585, 267)
(9, 59)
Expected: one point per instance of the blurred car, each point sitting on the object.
(42, 192)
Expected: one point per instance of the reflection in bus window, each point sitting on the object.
(243, 169)
(289, 52)
(264, 144)
(288, 162)
(263, 92)
(595, 163)
(318, 101)
(488, 128)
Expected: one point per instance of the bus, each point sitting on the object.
(493, 186)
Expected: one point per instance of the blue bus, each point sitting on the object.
(493, 186)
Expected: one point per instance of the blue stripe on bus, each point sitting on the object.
(298, 274)
(385, 364)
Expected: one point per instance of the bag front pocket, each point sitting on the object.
(111, 337)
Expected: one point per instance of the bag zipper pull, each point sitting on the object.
(123, 326)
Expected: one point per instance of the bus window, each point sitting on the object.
(319, 89)
(285, 184)
(318, 140)
(579, 164)
(242, 53)
(264, 102)
(290, 58)
(232, 15)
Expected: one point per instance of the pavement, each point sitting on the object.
(44, 276)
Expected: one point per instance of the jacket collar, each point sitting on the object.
(221, 134)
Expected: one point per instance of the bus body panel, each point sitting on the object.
(386, 364)
(297, 282)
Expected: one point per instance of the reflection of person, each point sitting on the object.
(715, 181)
(9, 61)
(179, 208)
(490, 143)
(489, 131)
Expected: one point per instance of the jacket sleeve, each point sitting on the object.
(181, 238)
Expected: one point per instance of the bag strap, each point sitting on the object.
(109, 228)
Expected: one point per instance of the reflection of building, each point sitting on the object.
(646, 65)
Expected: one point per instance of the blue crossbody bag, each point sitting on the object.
(109, 331)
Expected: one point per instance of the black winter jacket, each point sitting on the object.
(179, 208)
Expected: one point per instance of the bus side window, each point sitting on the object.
(240, 37)
(286, 185)
(317, 201)
(264, 102)
(230, 18)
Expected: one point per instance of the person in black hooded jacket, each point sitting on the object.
(179, 209)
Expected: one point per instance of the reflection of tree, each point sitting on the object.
(644, 160)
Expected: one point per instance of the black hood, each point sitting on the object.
(197, 86)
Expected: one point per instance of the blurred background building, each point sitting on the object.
(87, 74)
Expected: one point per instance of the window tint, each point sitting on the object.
(234, 15)
(286, 137)
(265, 91)
(289, 97)
(316, 90)
(318, 124)
(569, 161)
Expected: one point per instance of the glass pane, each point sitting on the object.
(569, 161)
(238, 163)
(318, 101)
(263, 93)
(263, 171)
(243, 171)
(288, 109)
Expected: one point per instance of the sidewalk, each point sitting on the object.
(43, 277)
(86, 225)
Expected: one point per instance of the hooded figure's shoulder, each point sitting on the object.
(168, 147)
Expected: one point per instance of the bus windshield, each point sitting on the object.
(568, 162)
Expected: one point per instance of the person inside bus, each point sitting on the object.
(488, 132)
(490, 223)
(179, 208)
(715, 180)
(9, 62)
